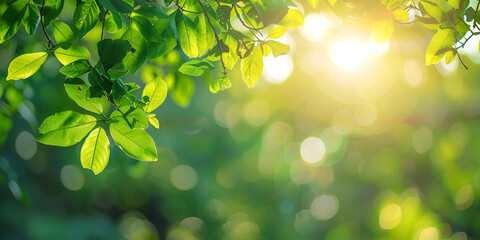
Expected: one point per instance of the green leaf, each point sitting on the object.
(252, 66)
(153, 120)
(100, 84)
(136, 143)
(25, 65)
(156, 92)
(76, 69)
(382, 31)
(145, 27)
(52, 9)
(277, 32)
(229, 49)
(62, 32)
(278, 48)
(117, 71)
(11, 19)
(95, 151)
(118, 91)
(135, 59)
(117, 6)
(85, 17)
(205, 36)
(196, 67)
(220, 83)
(65, 128)
(133, 117)
(113, 22)
(79, 92)
(71, 54)
(112, 52)
(31, 19)
(401, 15)
(293, 19)
(187, 34)
(158, 49)
(444, 38)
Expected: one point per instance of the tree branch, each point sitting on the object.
(50, 42)
(219, 43)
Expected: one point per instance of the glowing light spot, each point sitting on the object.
(314, 27)
(324, 207)
(256, 112)
(390, 216)
(183, 177)
(422, 140)
(343, 121)
(430, 233)
(365, 114)
(277, 69)
(413, 73)
(312, 150)
(464, 197)
(25, 145)
(348, 55)
(72, 178)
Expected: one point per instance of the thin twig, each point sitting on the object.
(50, 42)
(188, 11)
(246, 25)
(216, 37)
(475, 18)
(461, 60)
(103, 23)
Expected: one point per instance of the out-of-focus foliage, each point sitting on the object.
(344, 137)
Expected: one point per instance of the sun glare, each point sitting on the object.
(314, 26)
(349, 55)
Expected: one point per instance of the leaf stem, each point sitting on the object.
(51, 45)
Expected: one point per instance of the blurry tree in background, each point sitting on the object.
(363, 122)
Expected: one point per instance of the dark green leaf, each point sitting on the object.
(117, 6)
(76, 69)
(112, 52)
(11, 19)
(31, 19)
(135, 58)
(52, 9)
(85, 17)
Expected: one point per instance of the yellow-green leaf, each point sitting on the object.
(25, 65)
(95, 151)
(401, 15)
(153, 120)
(220, 83)
(156, 92)
(135, 142)
(71, 54)
(252, 66)
(444, 38)
(314, 3)
(293, 19)
(382, 31)
(277, 32)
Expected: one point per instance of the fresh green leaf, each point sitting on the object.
(188, 35)
(117, 6)
(293, 19)
(382, 31)
(444, 38)
(71, 54)
(196, 67)
(135, 59)
(220, 83)
(95, 151)
(252, 67)
(65, 128)
(85, 17)
(31, 19)
(79, 92)
(113, 22)
(52, 9)
(76, 69)
(62, 32)
(278, 48)
(136, 143)
(153, 120)
(133, 117)
(25, 65)
(11, 19)
(156, 92)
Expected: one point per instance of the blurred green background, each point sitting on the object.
(341, 139)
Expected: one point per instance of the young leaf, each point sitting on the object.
(85, 17)
(31, 19)
(196, 67)
(133, 117)
(293, 19)
(76, 69)
(79, 92)
(135, 59)
(188, 35)
(25, 65)
(52, 9)
(136, 143)
(278, 48)
(205, 36)
(62, 32)
(113, 22)
(220, 83)
(277, 32)
(156, 92)
(71, 54)
(95, 151)
(444, 38)
(11, 19)
(252, 67)
(153, 120)
(382, 31)
(65, 128)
